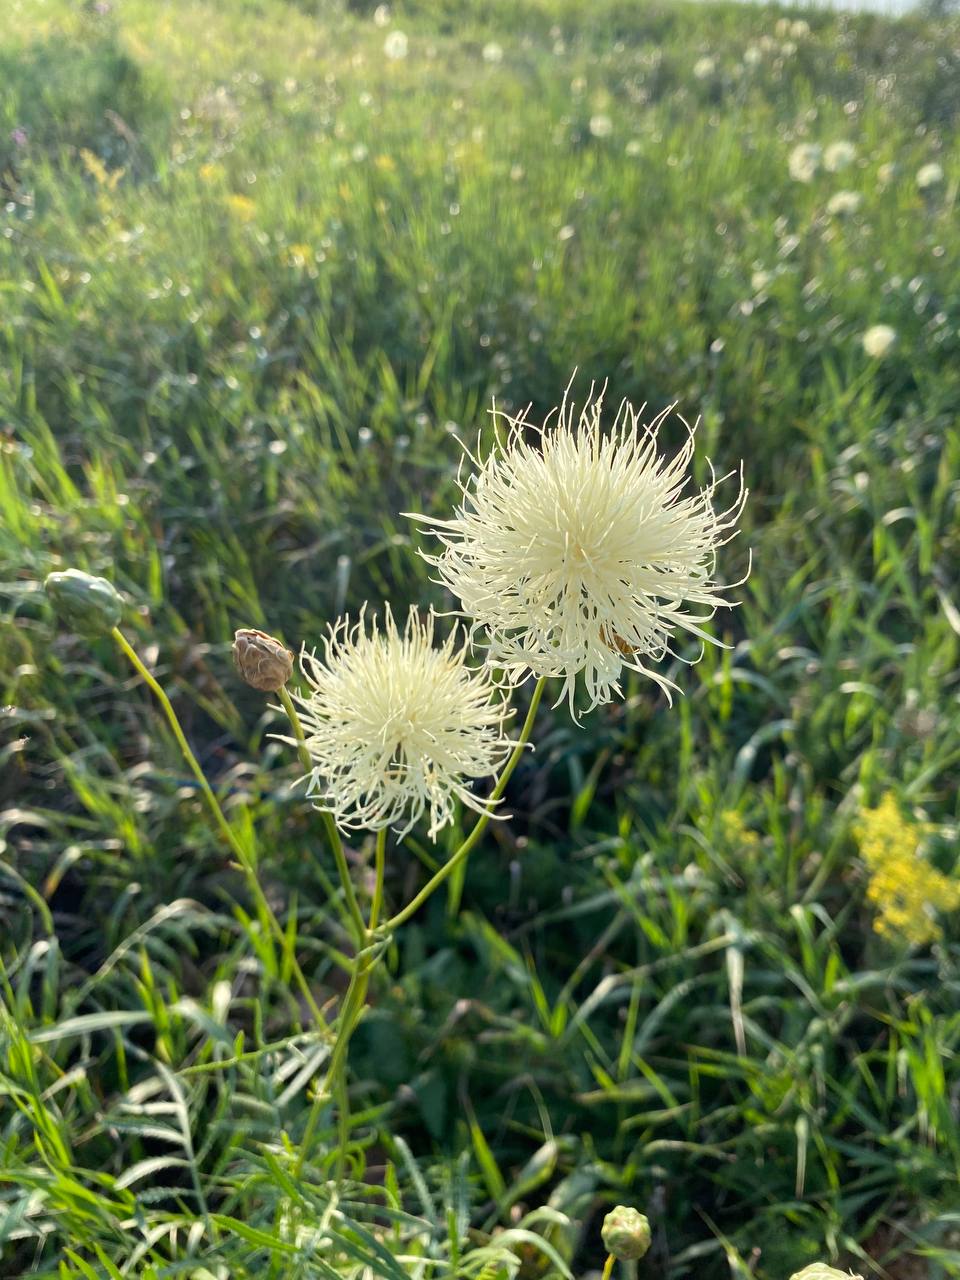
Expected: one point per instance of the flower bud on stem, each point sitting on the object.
(264, 662)
(88, 605)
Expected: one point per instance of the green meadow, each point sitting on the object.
(264, 264)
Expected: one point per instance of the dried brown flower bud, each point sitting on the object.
(262, 661)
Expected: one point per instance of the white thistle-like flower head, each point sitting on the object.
(838, 155)
(843, 203)
(879, 340)
(929, 175)
(397, 727)
(578, 552)
(804, 161)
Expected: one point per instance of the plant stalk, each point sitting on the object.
(414, 905)
(243, 857)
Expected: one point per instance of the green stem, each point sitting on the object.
(355, 998)
(333, 835)
(379, 861)
(243, 857)
(608, 1267)
(335, 1082)
(414, 905)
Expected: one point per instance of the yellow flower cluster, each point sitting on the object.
(242, 206)
(906, 890)
(736, 833)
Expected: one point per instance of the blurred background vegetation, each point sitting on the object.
(260, 262)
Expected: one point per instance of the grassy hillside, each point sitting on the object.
(260, 262)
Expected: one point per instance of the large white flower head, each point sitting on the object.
(397, 727)
(583, 551)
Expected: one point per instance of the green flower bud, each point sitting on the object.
(820, 1271)
(262, 661)
(625, 1234)
(82, 602)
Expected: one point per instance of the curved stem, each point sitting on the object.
(333, 835)
(414, 905)
(243, 857)
(608, 1267)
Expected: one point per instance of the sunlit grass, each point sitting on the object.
(255, 276)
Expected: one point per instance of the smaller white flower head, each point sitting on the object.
(752, 55)
(804, 161)
(381, 15)
(704, 67)
(396, 46)
(492, 52)
(601, 126)
(578, 552)
(886, 174)
(396, 727)
(838, 156)
(800, 29)
(879, 340)
(929, 175)
(844, 203)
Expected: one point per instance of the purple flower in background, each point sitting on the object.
(19, 137)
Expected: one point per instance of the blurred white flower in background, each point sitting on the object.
(577, 550)
(396, 727)
(838, 156)
(879, 340)
(601, 126)
(929, 175)
(804, 161)
(886, 173)
(492, 52)
(760, 280)
(752, 55)
(844, 203)
(381, 15)
(800, 29)
(704, 68)
(396, 46)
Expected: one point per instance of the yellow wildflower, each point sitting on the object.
(242, 206)
(99, 171)
(905, 889)
(736, 833)
(210, 172)
(297, 255)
